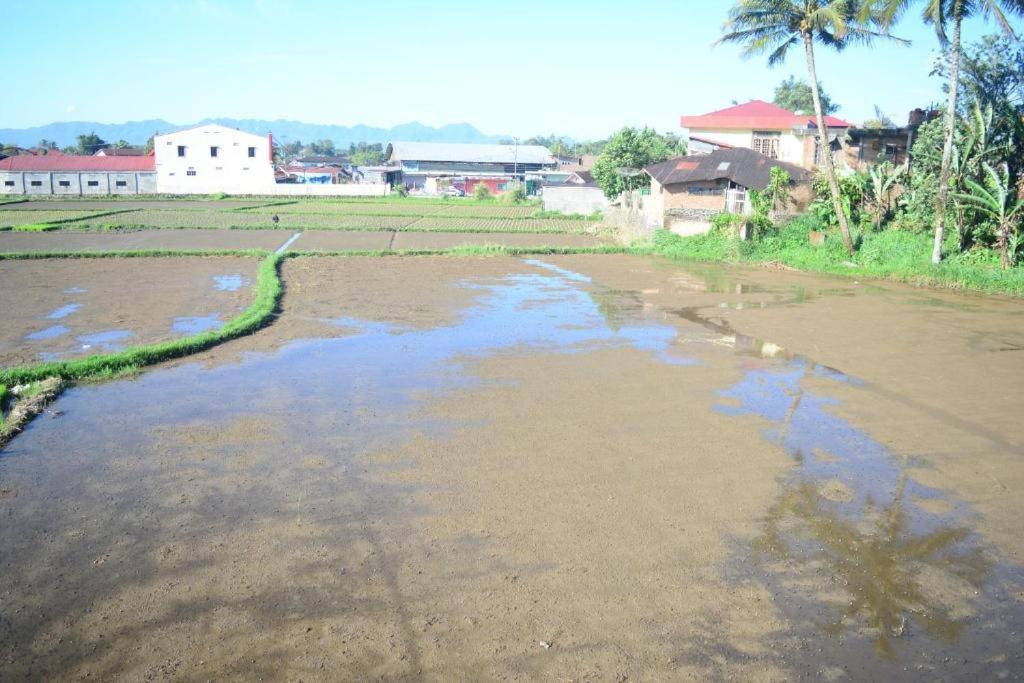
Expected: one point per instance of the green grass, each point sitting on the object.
(3, 403)
(37, 227)
(479, 250)
(890, 255)
(268, 295)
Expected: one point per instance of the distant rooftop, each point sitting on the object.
(469, 153)
(69, 162)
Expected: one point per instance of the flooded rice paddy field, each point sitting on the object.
(308, 240)
(57, 309)
(578, 467)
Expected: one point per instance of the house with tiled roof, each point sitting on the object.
(766, 128)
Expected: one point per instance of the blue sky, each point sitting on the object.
(575, 67)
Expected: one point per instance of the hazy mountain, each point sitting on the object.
(137, 132)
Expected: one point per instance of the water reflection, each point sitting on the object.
(852, 514)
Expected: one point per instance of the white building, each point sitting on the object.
(211, 158)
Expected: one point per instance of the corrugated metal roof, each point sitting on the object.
(742, 166)
(68, 162)
(468, 153)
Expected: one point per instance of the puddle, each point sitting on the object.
(63, 311)
(49, 333)
(106, 341)
(230, 283)
(187, 325)
(75, 290)
(899, 557)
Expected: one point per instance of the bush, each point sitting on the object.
(481, 192)
(37, 227)
(401, 190)
(515, 192)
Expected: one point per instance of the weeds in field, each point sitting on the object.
(36, 227)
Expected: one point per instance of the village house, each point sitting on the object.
(865, 147)
(213, 158)
(67, 174)
(432, 166)
(765, 128)
(687, 191)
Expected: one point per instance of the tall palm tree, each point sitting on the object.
(773, 26)
(942, 15)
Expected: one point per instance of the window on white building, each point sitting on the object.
(121, 183)
(213, 151)
(190, 171)
(36, 183)
(767, 143)
(252, 152)
(181, 150)
(8, 183)
(64, 183)
(92, 183)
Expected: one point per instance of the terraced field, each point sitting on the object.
(395, 208)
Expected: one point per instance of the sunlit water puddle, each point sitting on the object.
(230, 283)
(850, 514)
(195, 324)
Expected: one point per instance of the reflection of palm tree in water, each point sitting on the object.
(881, 556)
(879, 563)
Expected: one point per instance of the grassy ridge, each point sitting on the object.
(890, 255)
(268, 295)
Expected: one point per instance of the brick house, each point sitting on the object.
(693, 188)
(763, 127)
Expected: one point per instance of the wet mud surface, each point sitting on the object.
(134, 240)
(580, 467)
(56, 309)
(340, 240)
(445, 240)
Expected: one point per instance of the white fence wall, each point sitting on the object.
(574, 199)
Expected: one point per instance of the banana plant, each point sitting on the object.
(997, 199)
(884, 179)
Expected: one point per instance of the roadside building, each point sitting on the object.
(579, 193)
(66, 174)
(317, 175)
(687, 191)
(213, 158)
(432, 167)
(768, 129)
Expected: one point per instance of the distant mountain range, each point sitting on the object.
(137, 132)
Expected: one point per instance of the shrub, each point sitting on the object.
(481, 192)
(37, 227)
(400, 190)
(515, 192)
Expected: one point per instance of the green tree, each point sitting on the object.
(885, 178)
(89, 144)
(943, 15)
(45, 145)
(796, 95)
(774, 26)
(627, 152)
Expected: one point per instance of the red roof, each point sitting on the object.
(68, 162)
(757, 115)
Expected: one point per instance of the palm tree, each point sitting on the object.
(997, 199)
(773, 26)
(939, 13)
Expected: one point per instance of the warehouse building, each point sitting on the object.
(434, 166)
(65, 174)
(212, 158)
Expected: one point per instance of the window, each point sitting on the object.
(36, 183)
(767, 143)
(92, 183)
(8, 183)
(190, 171)
(252, 152)
(213, 151)
(181, 150)
(121, 183)
(64, 183)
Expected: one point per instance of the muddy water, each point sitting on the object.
(568, 467)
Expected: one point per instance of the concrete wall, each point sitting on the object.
(574, 199)
(75, 183)
(232, 171)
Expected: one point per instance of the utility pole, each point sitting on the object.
(515, 161)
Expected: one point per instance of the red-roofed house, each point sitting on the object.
(66, 174)
(766, 128)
